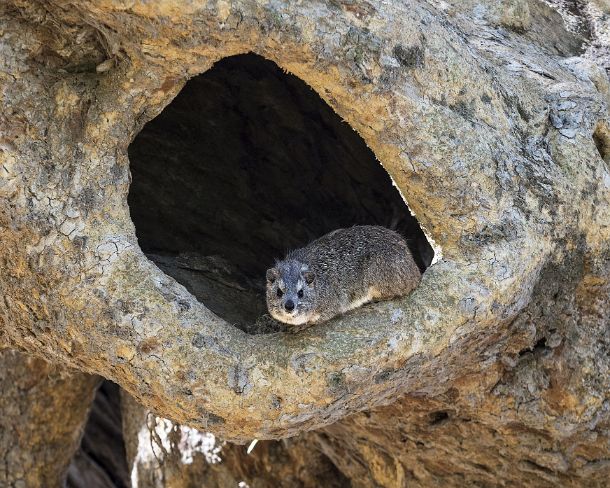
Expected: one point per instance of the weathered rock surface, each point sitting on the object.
(43, 412)
(537, 417)
(496, 131)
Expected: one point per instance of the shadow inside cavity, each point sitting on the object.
(246, 163)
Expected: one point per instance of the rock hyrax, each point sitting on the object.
(338, 272)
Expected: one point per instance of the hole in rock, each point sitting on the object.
(538, 348)
(246, 163)
(439, 417)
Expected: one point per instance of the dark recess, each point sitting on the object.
(101, 461)
(439, 417)
(601, 138)
(244, 164)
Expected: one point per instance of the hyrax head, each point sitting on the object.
(291, 292)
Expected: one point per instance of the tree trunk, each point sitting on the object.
(490, 118)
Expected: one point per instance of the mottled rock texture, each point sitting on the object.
(43, 412)
(489, 119)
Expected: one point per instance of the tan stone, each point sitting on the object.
(488, 135)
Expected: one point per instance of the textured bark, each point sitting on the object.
(43, 412)
(492, 121)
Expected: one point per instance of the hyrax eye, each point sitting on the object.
(300, 294)
(280, 293)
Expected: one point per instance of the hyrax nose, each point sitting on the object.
(289, 305)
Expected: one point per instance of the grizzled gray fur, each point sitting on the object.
(338, 272)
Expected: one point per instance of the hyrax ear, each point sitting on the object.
(309, 277)
(272, 275)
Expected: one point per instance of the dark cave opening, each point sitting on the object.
(246, 163)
